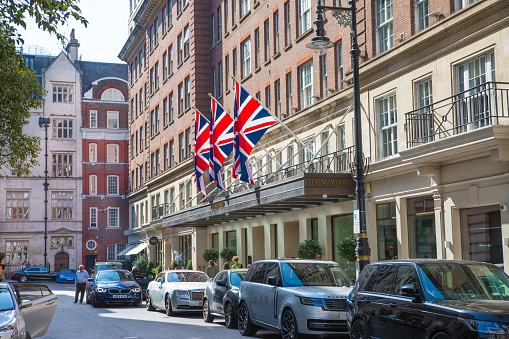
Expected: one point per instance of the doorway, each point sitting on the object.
(61, 261)
(90, 262)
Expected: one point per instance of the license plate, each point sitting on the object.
(200, 303)
(120, 295)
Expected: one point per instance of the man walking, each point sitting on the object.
(81, 283)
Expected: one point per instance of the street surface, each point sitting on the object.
(76, 321)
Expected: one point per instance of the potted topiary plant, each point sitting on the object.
(346, 249)
(308, 249)
(210, 254)
(228, 253)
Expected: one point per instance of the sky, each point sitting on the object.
(101, 41)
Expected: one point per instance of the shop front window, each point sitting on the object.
(342, 227)
(386, 231)
(231, 239)
(184, 255)
(421, 228)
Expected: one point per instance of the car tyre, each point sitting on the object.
(246, 327)
(359, 330)
(93, 301)
(229, 318)
(148, 304)
(289, 328)
(87, 298)
(441, 335)
(169, 309)
(28, 336)
(23, 279)
(138, 304)
(207, 317)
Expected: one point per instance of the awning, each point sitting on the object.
(127, 249)
(137, 249)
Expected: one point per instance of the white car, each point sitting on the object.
(177, 291)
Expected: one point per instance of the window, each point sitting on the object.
(17, 205)
(152, 84)
(387, 122)
(339, 65)
(172, 199)
(156, 75)
(163, 19)
(158, 161)
(112, 119)
(113, 250)
(92, 152)
(142, 214)
(386, 231)
(113, 216)
(266, 27)
(112, 94)
(214, 82)
(63, 128)
(288, 26)
(156, 32)
(304, 7)
(225, 6)
(246, 58)
(188, 143)
(112, 150)
(141, 175)
(165, 111)
(234, 11)
(141, 139)
(151, 37)
(93, 119)
(182, 196)
(172, 153)
(227, 71)
(141, 101)
(16, 253)
(234, 62)
(153, 164)
(422, 130)
(244, 7)
(147, 134)
(187, 82)
(169, 12)
(181, 98)
(289, 94)
(323, 64)
(156, 116)
(62, 241)
(180, 51)
(257, 47)
(132, 109)
(384, 29)
(421, 227)
(170, 60)
(112, 181)
(165, 155)
(276, 32)
(231, 239)
(267, 97)
(134, 217)
(140, 58)
(220, 78)
(341, 138)
(189, 189)
(165, 66)
(92, 180)
(93, 217)
(342, 227)
(219, 24)
(421, 14)
(306, 85)
(170, 108)
(63, 93)
(179, 7)
(62, 205)
(181, 147)
(459, 4)
(186, 41)
(62, 165)
(277, 97)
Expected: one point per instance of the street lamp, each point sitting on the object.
(44, 122)
(346, 16)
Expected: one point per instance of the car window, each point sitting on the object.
(272, 271)
(187, 277)
(406, 276)
(114, 276)
(237, 278)
(28, 292)
(67, 271)
(367, 278)
(160, 278)
(314, 274)
(385, 281)
(32, 270)
(45, 291)
(219, 276)
(44, 270)
(259, 273)
(6, 301)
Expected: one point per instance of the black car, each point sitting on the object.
(222, 297)
(33, 273)
(143, 278)
(424, 298)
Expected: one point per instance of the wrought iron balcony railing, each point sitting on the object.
(480, 106)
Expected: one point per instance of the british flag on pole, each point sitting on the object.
(221, 141)
(201, 151)
(251, 121)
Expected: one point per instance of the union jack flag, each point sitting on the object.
(201, 151)
(251, 122)
(221, 141)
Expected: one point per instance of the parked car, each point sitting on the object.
(177, 291)
(66, 275)
(430, 299)
(222, 297)
(113, 287)
(26, 310)
(143, 278)
(33, 273)
(295, 297)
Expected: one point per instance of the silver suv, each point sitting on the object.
(294, 296)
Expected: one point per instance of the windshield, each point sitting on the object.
(187, 277)
(237, 278)
(115, 276)
(108, 267)
(6, 302)
(464, 281)
(67, 271)
(314, 274)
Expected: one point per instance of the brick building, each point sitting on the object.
(432, 79)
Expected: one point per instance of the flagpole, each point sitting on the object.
(197, 110)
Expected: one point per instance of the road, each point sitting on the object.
(76, 321)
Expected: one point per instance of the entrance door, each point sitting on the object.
(61, 261)
(90, 262)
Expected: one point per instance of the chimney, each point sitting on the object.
(72, 47)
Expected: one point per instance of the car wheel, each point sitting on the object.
(93, 301)
(169, 309)
(87, 297)
(207, 317)
(138, 304)
(246, 327)
(289, 328)
(28, 336)
(441, 335)
(148, 304)
(23, 278)
(229, 319)
(359, 330)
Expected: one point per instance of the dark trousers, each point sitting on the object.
(80, 288)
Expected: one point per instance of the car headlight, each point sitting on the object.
(489, 327)
(312, 301)
(11, 326)
(182, 294)
(135, 289)
(100, 290)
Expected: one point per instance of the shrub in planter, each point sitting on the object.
(228, 253)
(346, 249)
(308, 249)
(210, 254)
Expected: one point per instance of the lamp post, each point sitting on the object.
(44, 122)
(346, 16)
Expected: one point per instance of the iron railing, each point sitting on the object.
(480, 106)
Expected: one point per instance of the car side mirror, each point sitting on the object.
(409, 291)
(353, 281)
(220, 283)
(91, 279)
(272, 281)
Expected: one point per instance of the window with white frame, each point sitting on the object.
(246, 58)
(62, 204)
(387, 125)
(92, 152)
(422, 131)
(460, 4)
(93, 119)
(113, 250)
(63, 128)
(384, 26)
(323, 66)
(112, 94)
(304, 11)
(17, 205)
(113, 217)
(112, 150)
(339, 64)
(112, 181)
(170, 60)
(112, 119)
(421, 14)
(62, 165)
(306, 85)
(244, 7)
(341, 138)
(93, 184)
(186, 41)
(63, 93)
(93, 217)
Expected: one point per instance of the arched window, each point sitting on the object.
(93, 152)
(112, 94)
(93, 184)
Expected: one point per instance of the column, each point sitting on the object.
(402, 228)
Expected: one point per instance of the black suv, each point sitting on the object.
(430, 299)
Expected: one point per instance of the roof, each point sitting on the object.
(295, 260)
(430, 261)
(93, 71)
(181, 270)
